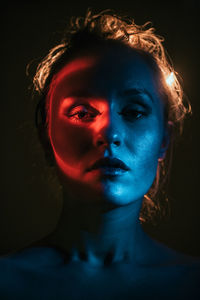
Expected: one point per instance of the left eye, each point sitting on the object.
(132, 114)
(82, 113)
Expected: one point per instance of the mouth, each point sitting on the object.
(109, 166)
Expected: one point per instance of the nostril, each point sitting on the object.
(106, 141)
(99, 143)
(117, 143)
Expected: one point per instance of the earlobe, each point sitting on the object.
(166, 141)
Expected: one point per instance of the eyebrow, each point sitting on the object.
(136, 91)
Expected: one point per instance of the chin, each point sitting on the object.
(119, 197)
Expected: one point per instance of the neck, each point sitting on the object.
(99, 235)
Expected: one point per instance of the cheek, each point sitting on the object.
(145, 147)
(148, 146)
(70, 143)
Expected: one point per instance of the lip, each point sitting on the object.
(110, 171)
(109, 166)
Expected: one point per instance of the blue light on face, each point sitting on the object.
(118, 116)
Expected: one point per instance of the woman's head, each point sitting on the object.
(106, 92)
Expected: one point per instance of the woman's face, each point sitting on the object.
(106, 123)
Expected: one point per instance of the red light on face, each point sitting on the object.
(75, 121)
(102, 121)
(72, 67)
(67, 102)
(56, 86)
(76, 132)
(98, 108)
(66, 169)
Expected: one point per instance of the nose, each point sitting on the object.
(109, 135)
(103, 140)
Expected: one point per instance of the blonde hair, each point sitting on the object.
(107, 26)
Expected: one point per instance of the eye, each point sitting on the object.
(134, 113)
(82, 113)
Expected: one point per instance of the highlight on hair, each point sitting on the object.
(107, 26)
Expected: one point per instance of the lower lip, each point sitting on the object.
(111, 171)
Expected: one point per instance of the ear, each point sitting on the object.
(166, 140)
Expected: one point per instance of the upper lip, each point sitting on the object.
(108, 162)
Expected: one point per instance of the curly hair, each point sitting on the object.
(105, 27)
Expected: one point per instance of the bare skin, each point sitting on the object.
(48, 273)
(98, 265)
(99, 249)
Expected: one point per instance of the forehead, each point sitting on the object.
(105, 71)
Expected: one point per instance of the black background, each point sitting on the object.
(30, 205)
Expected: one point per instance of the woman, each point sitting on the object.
(110, 106)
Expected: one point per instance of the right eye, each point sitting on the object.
(82, 113)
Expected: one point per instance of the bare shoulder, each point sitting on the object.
(30, 258)
(179, 258)
(36, 267)
(175, 273)
(184, 268)
(159, 256)
(31, 274)
(159, 253)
